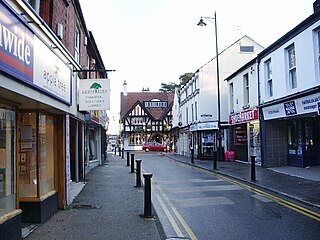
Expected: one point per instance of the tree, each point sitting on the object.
(185, 78)
(171, 86)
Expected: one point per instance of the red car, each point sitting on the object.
(154, 146)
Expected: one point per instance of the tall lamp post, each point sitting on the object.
(202, 23)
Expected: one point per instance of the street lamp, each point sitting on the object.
(202, 23)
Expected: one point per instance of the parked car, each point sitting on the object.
(154, 146)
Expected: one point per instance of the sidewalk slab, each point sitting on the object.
(108, 207)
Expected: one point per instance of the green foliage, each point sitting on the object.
(171, 86)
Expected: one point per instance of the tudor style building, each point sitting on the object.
(145, 116)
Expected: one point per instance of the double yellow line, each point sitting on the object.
(164, 201)
(288, 204)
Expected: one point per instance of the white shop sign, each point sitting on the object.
(304, 105)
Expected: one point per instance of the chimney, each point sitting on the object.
(125, 92)
(316, 6)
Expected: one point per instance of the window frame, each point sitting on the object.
(246, 90)
(268, 77)
(292, 67)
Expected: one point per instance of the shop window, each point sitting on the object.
(36, 154)
(46, 154)
(7, 173)
(207, 143)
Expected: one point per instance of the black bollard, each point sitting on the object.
(147, 195)
(122, 153)
(253, 168)
(215, 164)
(192, 155)
(119, 151)
(138, 173)
(132, 162)
(128, 158)
(115, 150)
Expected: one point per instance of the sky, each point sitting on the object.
(149, 42)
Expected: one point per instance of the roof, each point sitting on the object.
(134, 98)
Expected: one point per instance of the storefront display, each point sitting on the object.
(36, 131)
(7, 175)
(302, 142)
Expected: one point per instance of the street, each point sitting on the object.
(197, 204)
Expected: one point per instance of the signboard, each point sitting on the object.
(50, 73)
(240, 135)
(94, 94)
(245, 116)
(303, 105)
(24, 56)
(16, 46)
(204, 126)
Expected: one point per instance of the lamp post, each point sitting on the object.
(202, 23)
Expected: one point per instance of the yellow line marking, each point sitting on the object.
(178, 215)
(169, 216)
(280, 201)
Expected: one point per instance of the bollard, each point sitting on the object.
(138, 175)
(119, 151)
(192, 155)
(115, 150)
(253, 168)
(122, 153)
(215, 164)
(147, 195)
(128, 158)
(166, 149)
(132, 162)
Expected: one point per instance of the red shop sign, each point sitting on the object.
(243, 117)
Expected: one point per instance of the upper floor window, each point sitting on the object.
(35, 4)
(248, 49)
(318, 52)
(77, 46)
(292, 67)
(231, 97)
(196, 111)
(246, 89)
(269, 78)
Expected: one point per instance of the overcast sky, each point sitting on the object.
(149, 42)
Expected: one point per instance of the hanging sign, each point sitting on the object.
(94, 94)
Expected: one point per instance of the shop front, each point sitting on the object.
(296, 123)
(35, 98)
(204, 140)
(245, 135)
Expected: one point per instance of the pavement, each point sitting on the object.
(109, 206)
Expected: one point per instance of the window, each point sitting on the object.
(192, 113)
(269, 78)
(292, 67)
(35, 4)
(231, 97)
(187, 120)
(196, 110)
(248, 49)
(246, 89)
(7, 158)
(36, 154)
(77, 46)
(318, 39)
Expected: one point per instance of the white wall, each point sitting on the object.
(307, 69)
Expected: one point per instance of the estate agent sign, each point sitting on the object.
(94, 94)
